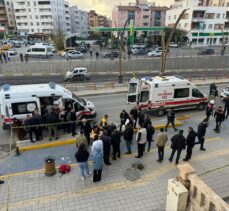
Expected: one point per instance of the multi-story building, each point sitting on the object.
(96, 20)
(38, 16)
(143, 13)
(67, 29)
(3, 16)
(205, 21)
(103, 21)
(79, 21)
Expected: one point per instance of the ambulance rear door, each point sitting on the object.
(133, 91)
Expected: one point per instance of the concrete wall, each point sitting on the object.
(109, 66)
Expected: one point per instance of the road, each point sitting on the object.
(103, 78)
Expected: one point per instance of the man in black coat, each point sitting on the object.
(72, 119)
(106, 147)
(201, 133)
(141, 118)
(219, 118)
(128, 136)
(178, 144)
(52, 119)
(171, 119)
(150, 132)
(190, 143)
(86, 127)
(226, 107)
(115, 142)
(123, 117)
(134, 113)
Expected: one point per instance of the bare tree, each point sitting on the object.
(59, 35)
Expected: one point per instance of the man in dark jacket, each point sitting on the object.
(30, 121)
(134, 113)
(72, 119)
(201, 133)
(141, 118)
(123, 117)
(226, 107)
(219, 118)
(147, 122)
(115, 142)
(178, 144)
(128, 137)
(106, 147)
(86, 127)
(39, 121)
(171, 119)
(150, 132)
(190, 143)
(52, 119)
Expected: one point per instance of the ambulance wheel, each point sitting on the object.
(200, 107)
(161, 112)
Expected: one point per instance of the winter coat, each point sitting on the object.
(171, 116)
(201, 130)
(97, 157)
(115, 138)
(141, 118)
(71, 116)
(123, 117)
(106, 144)
(209, 109)
(128, 134)
(161, 139)
(191, 139)
(134, 113)
(86, 128)
(219, 115)
(141, 136)
(178, 142)
(82, 157)
(52, 118)
(150, 131)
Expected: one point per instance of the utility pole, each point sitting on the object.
(120, 77)
(165, 45)
(223, 41)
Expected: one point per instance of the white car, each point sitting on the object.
(155, 53)
(73, 54)
(173, 45)
(12, 52)
(225, 93)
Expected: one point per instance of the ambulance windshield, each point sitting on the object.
(133, 88)
(144, 96)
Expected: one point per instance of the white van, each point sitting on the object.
(39, 50)
(20, 100)
(162, 93)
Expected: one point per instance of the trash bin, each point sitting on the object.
(50, 168)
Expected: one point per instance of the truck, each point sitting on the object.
(162, 93)
(20, 100)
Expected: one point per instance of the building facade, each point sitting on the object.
(67, 29)
(79, 21)
(96, 20)
(143, 13)
(38, 16)
(205, 21)
(3, 16)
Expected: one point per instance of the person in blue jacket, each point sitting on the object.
(97, 157)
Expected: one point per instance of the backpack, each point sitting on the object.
(64, 169)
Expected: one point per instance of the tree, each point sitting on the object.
(59, 36)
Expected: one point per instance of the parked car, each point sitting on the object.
(74, 54)
(111, 55)
(139, 52)
(155, 53)
(77, 74)
(173, 45)
(17, 44)
(224, 93)
(137, 48)
(31, 42)
(208, 51)
(63, 52)
(12, 52)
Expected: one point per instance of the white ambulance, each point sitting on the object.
(20, 100)
(162, 93)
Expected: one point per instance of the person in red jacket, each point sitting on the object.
(219, 118)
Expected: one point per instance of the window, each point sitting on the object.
(210, 26)
(197, 93)
(145, 24)
(181, 93)
(144, 96)
(186, 25)
(175, 17)
(218, 16)
(133, 88)
(23, 108)
(145, 16)
(227, 4)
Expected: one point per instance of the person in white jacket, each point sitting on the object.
(141, 139)
(97, 143)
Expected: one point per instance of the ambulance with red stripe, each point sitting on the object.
(20, 100)
(162, 93)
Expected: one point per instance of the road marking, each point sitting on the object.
(144, 181)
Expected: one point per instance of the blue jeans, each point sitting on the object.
(83, 168)
(128, 146)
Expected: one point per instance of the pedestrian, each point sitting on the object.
(201, 133)
(115, 142)
(190, 143)
(123, 117)
(103, 122)
(39, 121)
(82, 156)
(71, 118)
(226, 107)
(134, 113)
(91, 54)
(86, 127)
(219, 118)
(81, 139)
(52, 121)
(178, 144)
(21, 57)
(141, 118)
(106, 147)
(26, 58)
(147, 122)
(97, 143)
(209, 109)
(1, 60)
(128, 137)
(5, 57)
(213, 87)
(30, 121)
(171, 119)
(150, 132)
(161, 140)
(97, 156)
(1, 182)
(141, 139)
(97, 54)
(21, 133)
(110, 128)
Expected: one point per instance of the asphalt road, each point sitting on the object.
(16, 80)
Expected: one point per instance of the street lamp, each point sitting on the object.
(165, 46)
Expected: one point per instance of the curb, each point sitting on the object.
(178, 123)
